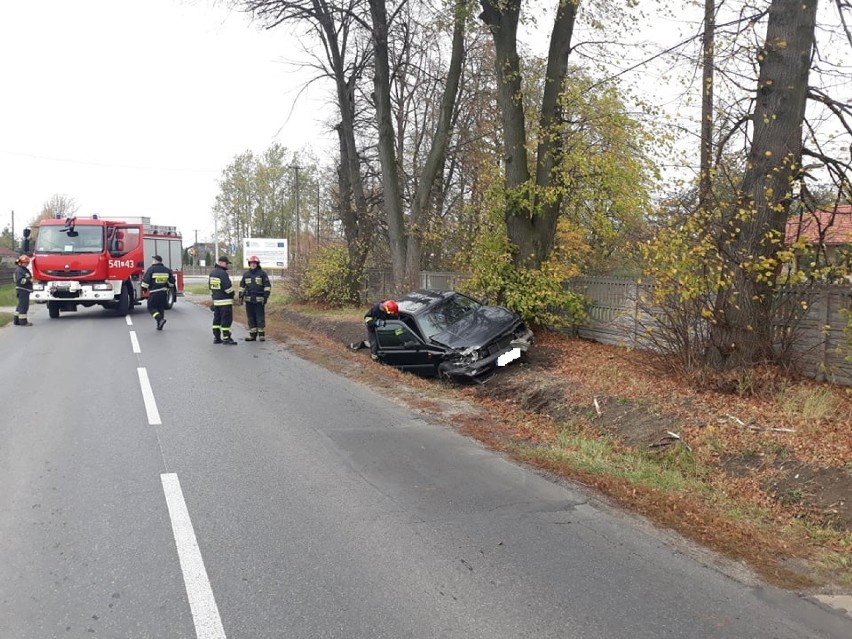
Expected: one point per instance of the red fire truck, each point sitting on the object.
(87, 261)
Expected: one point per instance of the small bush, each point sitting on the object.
(538, 295)
(327, 278)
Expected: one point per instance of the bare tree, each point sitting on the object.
(405, 238)
(342, 59)
(58, 206)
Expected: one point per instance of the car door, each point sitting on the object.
(401, 348)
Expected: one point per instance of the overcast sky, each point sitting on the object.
(135, 107)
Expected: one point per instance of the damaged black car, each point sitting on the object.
(452, 336)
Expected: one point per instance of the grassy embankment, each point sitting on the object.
(7, 298)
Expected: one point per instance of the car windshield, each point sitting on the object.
(446, 313)
(56, 239)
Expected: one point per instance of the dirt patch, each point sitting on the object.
(824, 493)
(792, 470)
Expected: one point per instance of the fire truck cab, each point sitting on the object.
(92, 261)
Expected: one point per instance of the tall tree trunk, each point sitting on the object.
(501, 17)
(744, 335)
(530, 217)
(542, 227)
(356, 243)
(391, 195)
(438, 150)
(705, 179)
(353, 204)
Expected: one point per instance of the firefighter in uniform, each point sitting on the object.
(23, 288)
(254, 291)
(388, 309)
(159, 282)
(222, 292)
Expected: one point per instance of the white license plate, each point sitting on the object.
(508, 356)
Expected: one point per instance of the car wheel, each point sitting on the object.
(123, 302)
(53, 309)
(443, 374)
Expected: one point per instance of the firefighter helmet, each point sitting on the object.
(24, 260)
(390, 307)
(255, 259)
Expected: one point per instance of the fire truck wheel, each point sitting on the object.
(53, 309)
(123, 301)
(171, 299)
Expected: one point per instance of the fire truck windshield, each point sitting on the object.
(57, 239)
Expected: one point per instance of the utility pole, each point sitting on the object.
(14, 241)
(195, 249)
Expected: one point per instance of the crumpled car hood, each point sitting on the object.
(478, 328)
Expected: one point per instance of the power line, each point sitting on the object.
(106, 165)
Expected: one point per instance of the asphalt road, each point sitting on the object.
(153, 485)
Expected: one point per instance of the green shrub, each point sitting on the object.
(538, 295)
(327, 278)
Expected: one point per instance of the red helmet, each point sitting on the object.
(255, 259)
(24, 260)
(390, 307)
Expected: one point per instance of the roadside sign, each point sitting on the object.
(272, 252)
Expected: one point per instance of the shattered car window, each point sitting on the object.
(395, 336)
(447, 313)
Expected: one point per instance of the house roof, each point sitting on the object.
(836, 231)
(5, 251)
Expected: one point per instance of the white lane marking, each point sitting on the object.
(129, 320)
(134, 342)
(148, 396)
(205, 613)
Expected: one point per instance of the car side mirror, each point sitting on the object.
(410, 344)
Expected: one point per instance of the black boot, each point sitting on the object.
(217, 336)
(15, 321)
(261, 336)
(161, 321)
(251, 338)
(229, 341)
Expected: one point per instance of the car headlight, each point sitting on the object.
(470, 355)
(102, 286)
